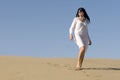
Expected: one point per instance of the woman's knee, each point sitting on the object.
(83, 48)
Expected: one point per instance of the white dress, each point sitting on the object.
(80, 30)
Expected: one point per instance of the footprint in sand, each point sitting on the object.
(68, 66)
(49, 63)
(55, 65)
(87, 75)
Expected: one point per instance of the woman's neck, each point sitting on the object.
(81, 19)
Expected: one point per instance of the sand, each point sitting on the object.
(29, 68)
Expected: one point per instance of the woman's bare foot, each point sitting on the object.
(78, 67)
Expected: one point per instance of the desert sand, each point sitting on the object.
(29, 68)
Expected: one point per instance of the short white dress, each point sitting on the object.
(80, 30)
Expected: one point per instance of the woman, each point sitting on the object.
(81, 36)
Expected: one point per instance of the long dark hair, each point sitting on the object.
(85, 14)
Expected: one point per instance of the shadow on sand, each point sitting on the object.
(102, 69)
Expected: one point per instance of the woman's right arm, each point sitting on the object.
(72, 27)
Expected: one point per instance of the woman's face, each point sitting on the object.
(81, 15)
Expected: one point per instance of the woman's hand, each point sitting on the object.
(71, 36)
(90, 42)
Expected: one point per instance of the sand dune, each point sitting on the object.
(28, 68)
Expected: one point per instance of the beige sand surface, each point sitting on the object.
(28, 68)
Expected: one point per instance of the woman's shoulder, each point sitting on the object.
(87, 21)
(75, 18)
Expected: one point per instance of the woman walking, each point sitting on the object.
(81, 36)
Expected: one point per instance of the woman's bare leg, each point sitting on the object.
(80, 57)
